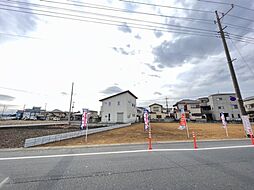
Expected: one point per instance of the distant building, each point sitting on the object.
(191, 107)
(31, 114)
(93, 116)
(140, 114)
(226, 103)
(249, 107)
(119, 108)
(156, 112)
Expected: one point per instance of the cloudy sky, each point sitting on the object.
(155, 49)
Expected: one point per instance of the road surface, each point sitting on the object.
(167, 166)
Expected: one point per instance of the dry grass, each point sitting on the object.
(160, 132)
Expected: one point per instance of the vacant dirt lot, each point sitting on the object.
(160, 132)
(15, 122)
(15, 137)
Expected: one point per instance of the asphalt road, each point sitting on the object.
(167, 166)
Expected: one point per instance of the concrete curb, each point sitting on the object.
(116, 144)
(63, 136)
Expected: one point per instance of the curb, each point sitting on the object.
(117, 144)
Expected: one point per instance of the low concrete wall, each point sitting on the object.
(63, 136)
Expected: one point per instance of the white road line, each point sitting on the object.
(3, 182)
(122, 152)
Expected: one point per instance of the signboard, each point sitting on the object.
(146, 120)
(84, 119)
(224, 123)
(182, 120)
(246, 124)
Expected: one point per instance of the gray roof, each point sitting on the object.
(249, 98)
(155, 104)
(187, 101)
(221, 94)
(127, 91)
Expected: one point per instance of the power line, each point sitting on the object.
(118, 23)
(223, 3)
(186, 30)
(240, 27)
(108, 8)
(242, 56)
(166, 6)
(242, 18)
(112, 16)
(110, 22)
(22, 36)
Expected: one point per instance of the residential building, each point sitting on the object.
(249, 107)
(226, 103)
(140, 114)
(156, 112)
(93, 116)
(119, 108)
(191, 107)
(205, 108)
(31, 114)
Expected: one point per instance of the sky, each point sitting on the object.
(155, 49)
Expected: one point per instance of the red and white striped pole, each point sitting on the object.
(251, 137)
(194, 140)
(150, 138)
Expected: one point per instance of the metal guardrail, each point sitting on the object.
(63, 136)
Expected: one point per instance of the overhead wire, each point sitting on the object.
(188, 30)
(223, 3)
(166, 6)
(183, 29)
(245, 62)
(108, 8)
(111, 16)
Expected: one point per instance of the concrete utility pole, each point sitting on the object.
(167, 104)
(69, 117)
(231, 67)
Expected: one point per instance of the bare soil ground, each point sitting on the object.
(15, 122)
(160, 132)
(15, 137)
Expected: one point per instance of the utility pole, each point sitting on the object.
(69, 117)
(167, 104)
(231, 67)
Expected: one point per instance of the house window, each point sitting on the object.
(220, 107)
(219, 99)
(109, 117)
(239, 116)
(158, 116)
(109, 103)
(233, 116)
(156, 109)
(105, 103)
(118, 103)
(235, 106)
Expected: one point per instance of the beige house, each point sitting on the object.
(191, 107)
(249, 107)
(157, 112)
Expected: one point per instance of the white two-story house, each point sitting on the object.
(226, 103)
(119, 108)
